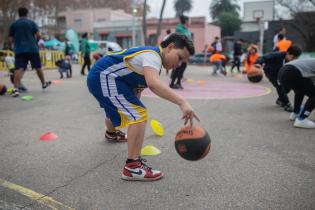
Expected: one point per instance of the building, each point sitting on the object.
(120, 31)
(203, 33)
(84, 20)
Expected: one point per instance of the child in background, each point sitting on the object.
(299, 75)
(271, 64)
(217, 59)
(64, 66)
(251, 57)
(9, 61)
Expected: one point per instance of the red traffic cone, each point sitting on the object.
(48, 136)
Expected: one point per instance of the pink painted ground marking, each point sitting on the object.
(217, 90)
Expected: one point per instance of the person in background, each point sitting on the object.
(237, 53)
(299, 75)
(217, 60)
(272, 63)
(217, 46)
(283, 44)
(85, 52)
(65, 66)
(251, 57)
(178, 73)
(275, 38)
(24, 33)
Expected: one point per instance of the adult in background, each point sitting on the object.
(85, 50)
(178, 73)
(24, 34)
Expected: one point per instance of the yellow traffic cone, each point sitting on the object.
(157, 127)
(150, 150)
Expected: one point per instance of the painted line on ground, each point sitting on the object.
(40, 198)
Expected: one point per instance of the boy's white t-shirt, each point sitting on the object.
(149, 59)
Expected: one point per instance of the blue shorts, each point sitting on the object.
(22, 59)
(122, 109)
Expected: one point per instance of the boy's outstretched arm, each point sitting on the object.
(161, 89)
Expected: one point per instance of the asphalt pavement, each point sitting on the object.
(258, 160)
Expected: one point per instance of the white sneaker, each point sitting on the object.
(305, 123)
(293, 116)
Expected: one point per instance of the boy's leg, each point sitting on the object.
(112, 134)
(135, 167)
(12, 76)
(135, 139)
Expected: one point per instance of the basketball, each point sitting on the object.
(192, 143)
(255, 74)
(3, 89)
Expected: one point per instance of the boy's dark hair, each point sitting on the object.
(168, 31)
(295, 50)
(183, 19)
(22, 12)
(280, 36)
(180, 41)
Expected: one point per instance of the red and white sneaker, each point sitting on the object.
(138, 171)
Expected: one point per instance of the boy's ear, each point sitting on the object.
(170, 47)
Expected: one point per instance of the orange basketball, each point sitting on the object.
(255, 74)
(192, 143)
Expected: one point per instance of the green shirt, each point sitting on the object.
(180, 28)
(85, 47)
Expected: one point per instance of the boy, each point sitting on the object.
(299, 75)
(117, 80)
(272, 64)
(64, 66)
(217, 59)
(9, 61)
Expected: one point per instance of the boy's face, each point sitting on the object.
(174, 57)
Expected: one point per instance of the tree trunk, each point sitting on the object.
(159, 26)
(144, 23)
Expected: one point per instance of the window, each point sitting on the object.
(77, 22)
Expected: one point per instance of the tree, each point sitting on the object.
(144, 24)
(295, 6)
(182, 6)
(159, 26)
(303, 21)
(219, 6)
(229, 23)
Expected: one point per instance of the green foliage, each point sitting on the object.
(229, 23)
(219, 6)
(182, 6)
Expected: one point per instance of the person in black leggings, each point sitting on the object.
(272, 63)
(299, 75)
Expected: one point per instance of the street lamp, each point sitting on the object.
(134, 11)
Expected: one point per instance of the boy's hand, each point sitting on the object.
(188, 113)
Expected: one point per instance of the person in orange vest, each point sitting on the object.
(283, 44)
(252, 55)
(217, 59)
